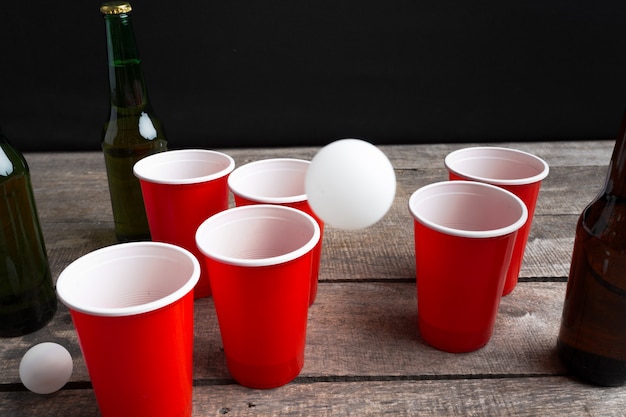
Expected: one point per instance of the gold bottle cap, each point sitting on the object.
(115, 7)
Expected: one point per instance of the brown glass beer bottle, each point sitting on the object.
(592, 338)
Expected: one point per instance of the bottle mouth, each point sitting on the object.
(115, 7)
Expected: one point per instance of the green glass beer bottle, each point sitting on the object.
(133, 131)
(592, 338)
(27, 297)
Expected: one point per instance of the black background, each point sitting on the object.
(276, 73)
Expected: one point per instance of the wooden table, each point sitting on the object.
(364, 354)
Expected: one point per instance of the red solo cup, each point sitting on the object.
(132, 307)
(464, 237)
(516, 171)
(259, 258)
(277, 181)
(180, 190)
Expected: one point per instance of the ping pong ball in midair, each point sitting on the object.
(45, 368)
(350, 184)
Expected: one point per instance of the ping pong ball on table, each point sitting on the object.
(350, 184)
(45, 368)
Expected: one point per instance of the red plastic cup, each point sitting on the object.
(180, 190)
(464, 237)
(259, 258)
(516, 171)
(132, 307)
(277, 181)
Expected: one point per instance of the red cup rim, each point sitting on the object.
(150, 168)
(469, 187)
(265, 211)
(76, 275)
(494, 152)
(267, 165)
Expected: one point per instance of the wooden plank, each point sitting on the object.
(74, 208)
(549, 396)
(73, 187)
(381, 336)
(364, 355)
(384, 251)
(387, 251)
(427, 156)
(69, 192)
(64, 403)
(363, 329)
(496, 397)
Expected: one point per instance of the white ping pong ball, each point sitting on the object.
(350, 184)
(45, 368)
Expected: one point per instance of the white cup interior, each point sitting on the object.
(257, 235)
(469, 209)
(501, 166)
(272, 181)
(128, 279)
(186, 166)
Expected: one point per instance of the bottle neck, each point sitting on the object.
(616, 178)
(126, 81)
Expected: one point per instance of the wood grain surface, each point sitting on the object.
(364, 354)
